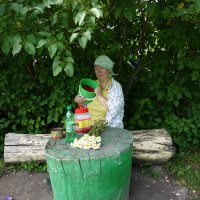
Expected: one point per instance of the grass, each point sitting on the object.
(28, 166)
(2, 166)
(147, 169)
(185, 167)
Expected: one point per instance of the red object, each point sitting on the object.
(83, 130)
(82, 119)
(81, 110)
(88, 88)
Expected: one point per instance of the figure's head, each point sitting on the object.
(103, 67)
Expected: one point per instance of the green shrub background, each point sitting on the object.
(155, 47)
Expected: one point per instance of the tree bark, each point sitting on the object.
(152, 146)
(149, 146)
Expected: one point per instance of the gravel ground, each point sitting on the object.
(24, 185)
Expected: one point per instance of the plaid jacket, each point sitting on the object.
(115, 97)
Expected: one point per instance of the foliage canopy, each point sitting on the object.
(48, 46)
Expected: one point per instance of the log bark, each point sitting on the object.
(153, 146)
(149, 146)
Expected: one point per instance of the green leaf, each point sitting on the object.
(94, 1)
(57, 1)
(195, 141)
(77, 29)
(41, 43)
(52, 50)
(82, 42)
(2, 9)
(187, 94)
(179, 95)
(16, 39)
(68, 53)
(29, 48)
(49, 118)
(129, 12)
(186, 129)
(16, 7)
(195, 132)
(57, 70)
(11, 115)
(64, 20)
(54, 19)
(118, 12)
(87, 35)
(16, 48)
(44, 33)
(158, 120)
(24, 10)
(60, 46)
(69, 69)
(79, 18)
(56, 61)
(40, 50)
(97, 12)
(74, 4)
(38, 9)
(180, 65)
(197, 6)
(57, 66)
(73, 37)
(69, 60)
(16, 44)
(160, 95)
(60, 35)
(6, 47)
(31, 38)
(151, 8)
(176, 103)
(195, 75)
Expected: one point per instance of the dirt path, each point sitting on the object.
(23, 185)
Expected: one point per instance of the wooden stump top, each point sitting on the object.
(114, 141)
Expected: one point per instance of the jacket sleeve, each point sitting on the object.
(115, 102)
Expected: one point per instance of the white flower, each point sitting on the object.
(87, 142)
(98, 139)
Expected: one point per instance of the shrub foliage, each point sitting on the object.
(48, 47)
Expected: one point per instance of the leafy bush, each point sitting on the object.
(47, 48)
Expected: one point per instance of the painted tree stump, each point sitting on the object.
(78, 174)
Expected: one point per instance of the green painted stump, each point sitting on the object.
(103, 174)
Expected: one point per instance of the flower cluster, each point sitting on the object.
(87, 142)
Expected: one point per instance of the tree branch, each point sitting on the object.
(139, 68)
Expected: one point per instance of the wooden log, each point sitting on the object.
(78, 174)
(153, 146)
(25, 147)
